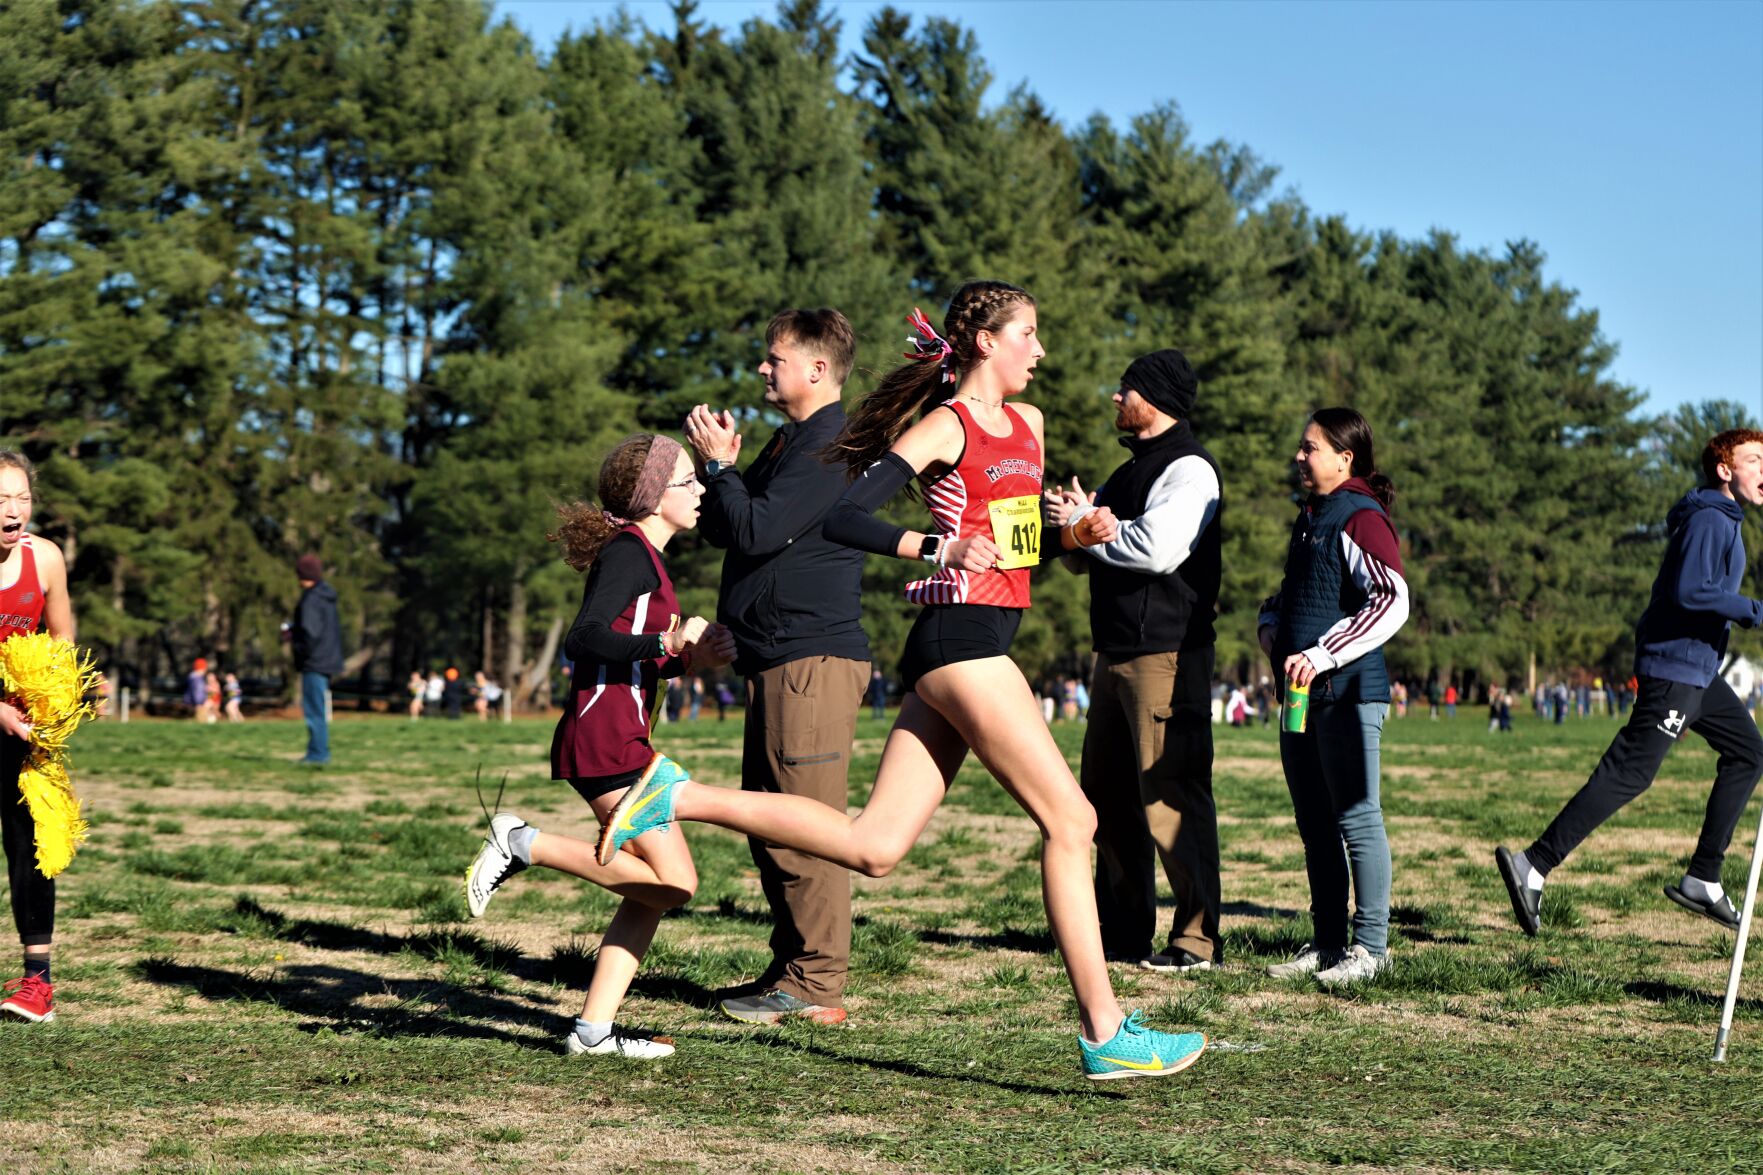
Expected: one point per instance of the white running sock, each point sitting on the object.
(520, 843)
(1701, 891)
(592, 1032)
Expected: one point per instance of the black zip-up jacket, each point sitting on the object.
(1133, 613)
(317, 636)
(787, 592)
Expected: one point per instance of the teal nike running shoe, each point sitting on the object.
(645, 806)
(1138, 1051)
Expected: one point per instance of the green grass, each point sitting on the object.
(265, 968)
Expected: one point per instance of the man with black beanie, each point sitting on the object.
(1147, 759)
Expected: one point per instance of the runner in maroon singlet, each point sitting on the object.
(625, 643)
(33, 595)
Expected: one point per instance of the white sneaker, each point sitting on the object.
(1307, 961)
(495, 863)
(1356, 966)
(623, 1042)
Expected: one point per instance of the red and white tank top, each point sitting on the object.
(994, 490)
(21, 605)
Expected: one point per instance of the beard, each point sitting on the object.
(1134, 417)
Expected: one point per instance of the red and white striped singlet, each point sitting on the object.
(995, 490)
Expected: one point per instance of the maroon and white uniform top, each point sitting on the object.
(627, 602)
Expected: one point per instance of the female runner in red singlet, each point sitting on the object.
(978, 461)
(626, 641)
(33, 594)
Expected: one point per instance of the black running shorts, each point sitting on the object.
(946, 633)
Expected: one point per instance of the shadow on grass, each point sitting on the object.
(330, 997)
(963, 1076)
(570, 966)
(1676, 993)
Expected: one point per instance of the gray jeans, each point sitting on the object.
(1332, 774)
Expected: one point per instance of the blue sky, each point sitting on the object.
(1626, 138)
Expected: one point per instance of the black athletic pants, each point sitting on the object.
(33, 895)
(1662, 712)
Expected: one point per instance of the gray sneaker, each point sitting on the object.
(1356, 966)
(774, 1006)
(1307, 961)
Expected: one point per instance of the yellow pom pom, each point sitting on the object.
(47, 678)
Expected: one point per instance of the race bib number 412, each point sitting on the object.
(1016, 528)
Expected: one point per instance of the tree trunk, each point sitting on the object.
(516, 641)
(487, 655)
(537, 685)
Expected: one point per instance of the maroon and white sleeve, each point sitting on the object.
(1374, 560)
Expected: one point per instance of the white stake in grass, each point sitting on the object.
(1738, 950)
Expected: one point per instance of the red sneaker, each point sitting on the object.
(29, 999)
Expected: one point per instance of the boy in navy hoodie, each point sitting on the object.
(1679, 643)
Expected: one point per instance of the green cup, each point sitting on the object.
(1296, 714)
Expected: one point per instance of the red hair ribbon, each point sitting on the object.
(928, 346)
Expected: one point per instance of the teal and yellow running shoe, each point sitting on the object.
(1137, 1051)
(645, 806)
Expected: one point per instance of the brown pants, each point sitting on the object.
(1147, 768)
(801, 721)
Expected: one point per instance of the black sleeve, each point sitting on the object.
(794, 499)
(852, 521)
(623, 572)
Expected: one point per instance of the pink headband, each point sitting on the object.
(658, 466)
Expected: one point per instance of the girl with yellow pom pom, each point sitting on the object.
(33, 595)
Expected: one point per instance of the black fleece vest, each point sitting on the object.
(1319, 593)
(1132, 613)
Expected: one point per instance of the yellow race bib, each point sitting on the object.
(1016, 528)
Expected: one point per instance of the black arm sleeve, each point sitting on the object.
(621, 574)
(852, 522)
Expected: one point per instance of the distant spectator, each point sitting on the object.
(211, 697)
(725, 697)
(697, 689)
(432, 692)
(1237, 709)
(196, 688)
(878, 694)
(480, 698)
(1451, 700)
(235, 697)
(453, 694)
(417, 688)
(1433, 697)
(315, 637)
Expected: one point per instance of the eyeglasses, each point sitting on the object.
(680, 485)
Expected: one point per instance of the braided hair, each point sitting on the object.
(910, 390)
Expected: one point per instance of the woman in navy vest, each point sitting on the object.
(1343, 596)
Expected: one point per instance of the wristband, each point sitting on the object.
(661, 639)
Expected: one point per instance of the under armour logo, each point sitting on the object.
(1673, 724)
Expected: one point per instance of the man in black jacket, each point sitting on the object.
(1147, 759)
(791, 598)
(316, 641)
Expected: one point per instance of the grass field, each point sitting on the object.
(262, 967)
